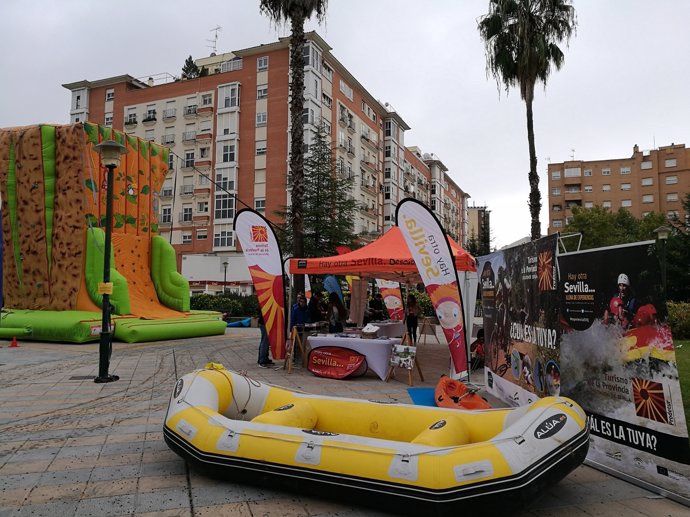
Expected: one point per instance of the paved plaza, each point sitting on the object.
(70, 446)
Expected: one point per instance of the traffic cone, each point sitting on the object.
(14, 342)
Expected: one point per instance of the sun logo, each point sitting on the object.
(259, 234)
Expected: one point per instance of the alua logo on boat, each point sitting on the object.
(550, 426)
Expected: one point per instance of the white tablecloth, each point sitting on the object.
(390, 328)
(377, 351)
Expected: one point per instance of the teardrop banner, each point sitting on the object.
(431, 251)
(265, 263)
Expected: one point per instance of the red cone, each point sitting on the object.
(14, 342)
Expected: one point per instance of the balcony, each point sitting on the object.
(150, 118)
(369, 189)
(168, 140)
(169, 114)
(201, 219)
(205, 136)
(190, 111)
(205, 110)
(165, 221)
(185, 218)
(370, 166)
(166, 193)
(187, 191)
(202, 162)
(350, 151)
(369, 142)
(189, 136)
(369, 212)
(131, 122)
(202, 190)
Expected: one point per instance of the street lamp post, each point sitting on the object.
(110, 152)
(225, 275)
(662, 233)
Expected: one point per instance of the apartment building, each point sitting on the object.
(479, 226)
(648, 181)
(229, 135)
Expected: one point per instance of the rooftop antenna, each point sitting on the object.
(214, 41)
(572, 154)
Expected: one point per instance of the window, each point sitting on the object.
(186, 213)
(131, 116)
(232, 65)
(261, 92)
(388, 151)
(671, 180)
(672, 215)
(387, 173)
(557, 223)
(625, 170)
(346, 90)
(205, 126)
(327, 101)
(572, 188)
(108, 120)
(225, 206)
(387, 192)
(261, 147)
(109, 94)
(150, 112)
(606, 188)
(626, 203)
(222, 237)
(588, 188)
(260, 204)
(327, 71)
(188, 159)
(186, 238)
(606, 172)
(670, 162)
(606, 204)
(556, 208)
(556, 175)
(201, 235)
(202, 207)
(148, 134)
(171, 159)
(308, 116)
(261, 118)
(648, 198)
(228, 153)
(625, 186)
(206, 99)
(223, 180)
(262, 63)
(166, 214)
(77, 102)
(646, 165)
(204, 180)
(572, 172)
(205, 152)
(556, 191)
(589, 204)
(588, 172)
(646, 182)
(672, 196)
(229, 96)
(326, 126)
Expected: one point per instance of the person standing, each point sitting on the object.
(412, 317)
(299, 317)
(314, 307)
(337, 314)
(264, 361)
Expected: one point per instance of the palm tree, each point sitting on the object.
(521, 40)
(297, 12)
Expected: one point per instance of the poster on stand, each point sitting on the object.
(392, 298)
(618, 362)
(520, 316)
(265, 262)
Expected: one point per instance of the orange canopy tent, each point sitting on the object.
(387, 258)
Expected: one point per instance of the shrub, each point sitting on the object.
(679, 319)
(208, 302)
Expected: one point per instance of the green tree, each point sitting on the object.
(296, 12)
(328, 207)
(190, 70)
(678, 257)
(521, 40)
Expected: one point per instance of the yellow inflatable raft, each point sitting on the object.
(400, 457)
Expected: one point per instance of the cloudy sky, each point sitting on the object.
(625, 79)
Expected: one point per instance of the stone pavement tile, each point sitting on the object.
(159, 456)
(180, 512)
(655, 506)
(163, 468)
(65, 476)
(52, 509)
(13, 496)
(73, 463)
(48, 494)
(278, 507)
(45, 444)
(80, 451)
(109, 472)
(110, 449)
(124, 438)
(12, 481)
(225, 510)
(120, 459)
(164, 499)
(113, 505)
(158, 482)
(24, 467)
(211, 492)
(105, 488)
(87, 440)
(612, 509)
(322, 508)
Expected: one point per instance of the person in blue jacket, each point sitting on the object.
(299, 317)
